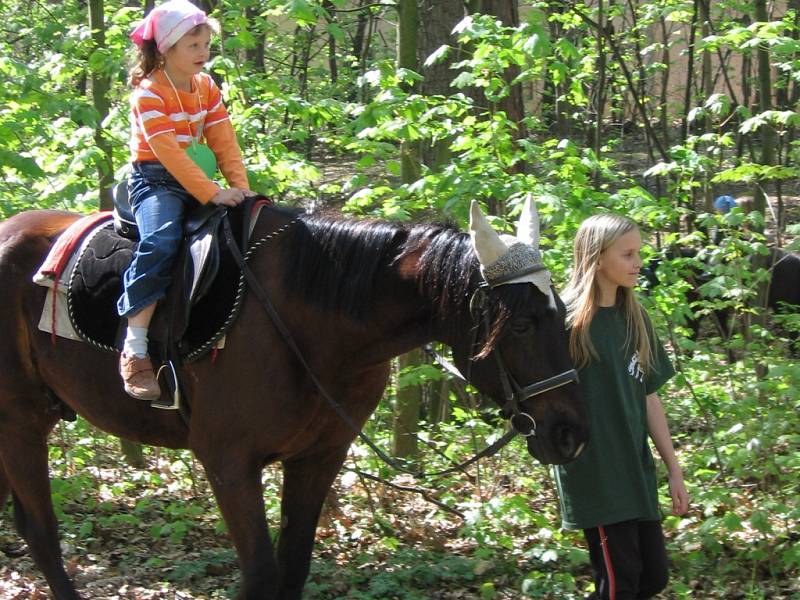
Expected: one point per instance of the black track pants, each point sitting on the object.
(629, 560)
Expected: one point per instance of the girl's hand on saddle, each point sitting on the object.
(228, 197)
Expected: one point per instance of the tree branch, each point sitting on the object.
(639, 105)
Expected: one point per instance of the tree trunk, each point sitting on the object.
(562, 108)
(707, 85)
(507, 12)
(407, 410)
(437, 19)
(409, 398)
(768, 136)
(600, 90)
(100, 84)
(333, 67)
(132, 452)
(407, 26)
(255, 55)
(768, 141)
(687, 99)
(663, 110)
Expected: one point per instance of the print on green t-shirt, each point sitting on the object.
(613, 479)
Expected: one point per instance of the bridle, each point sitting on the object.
(514, 394)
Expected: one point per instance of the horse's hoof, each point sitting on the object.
(14, 549)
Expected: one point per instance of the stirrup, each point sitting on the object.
(176, 395)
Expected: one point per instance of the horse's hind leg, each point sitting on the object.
(23, 459)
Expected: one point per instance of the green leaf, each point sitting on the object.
(337, 33)
(533, 44)
(760, 521)
(25, 165)
(302, 11)
(696, 113)
(732, 521)
(86, 528)
(439, 54)
(464, 79)
(567, 49)
(488, 591)
(463, 25)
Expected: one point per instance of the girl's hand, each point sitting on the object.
(228, 197)
(680, 497)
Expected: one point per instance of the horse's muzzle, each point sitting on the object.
(561, 444)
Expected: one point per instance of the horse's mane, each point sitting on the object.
(334, 262)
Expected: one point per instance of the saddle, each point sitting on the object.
(201, 303)
(201, 233)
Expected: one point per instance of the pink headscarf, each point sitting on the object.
(169, 22)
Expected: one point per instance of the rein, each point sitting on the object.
(512, 390)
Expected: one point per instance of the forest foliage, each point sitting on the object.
(649, 108)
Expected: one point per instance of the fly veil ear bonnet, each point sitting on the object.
(506, 258)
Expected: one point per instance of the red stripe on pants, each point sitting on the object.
(612, 583)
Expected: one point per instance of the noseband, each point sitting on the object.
(523, 422)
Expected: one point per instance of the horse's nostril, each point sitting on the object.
(566, 442)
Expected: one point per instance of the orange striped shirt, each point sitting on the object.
(160, 122)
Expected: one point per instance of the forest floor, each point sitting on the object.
(155, 534)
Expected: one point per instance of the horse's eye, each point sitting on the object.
(522, 325)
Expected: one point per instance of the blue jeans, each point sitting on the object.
(159, 203)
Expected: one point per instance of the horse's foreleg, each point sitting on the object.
(305, 484)
(7, 546)
(23, 459)
(239, 493)
(4, 489)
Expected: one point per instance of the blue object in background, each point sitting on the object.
(724, 203)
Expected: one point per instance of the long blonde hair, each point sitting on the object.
(595, 235)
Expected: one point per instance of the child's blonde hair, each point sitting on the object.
(595, 235)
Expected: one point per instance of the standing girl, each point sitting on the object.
(610, 490)
(174, 105)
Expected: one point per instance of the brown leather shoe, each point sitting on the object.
(137, 375)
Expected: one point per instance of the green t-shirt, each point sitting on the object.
(613, 479)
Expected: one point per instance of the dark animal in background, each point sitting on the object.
(783, 295)
(784, 286)
(354, 295)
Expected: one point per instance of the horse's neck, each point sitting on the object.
(406, 317)
(399, 323)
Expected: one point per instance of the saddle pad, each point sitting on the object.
(65, 245)
(55, 271)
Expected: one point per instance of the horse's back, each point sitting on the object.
(29, 233)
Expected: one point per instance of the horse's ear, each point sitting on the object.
(528, 224)
(485, 240)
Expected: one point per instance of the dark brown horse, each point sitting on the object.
(354, 294)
